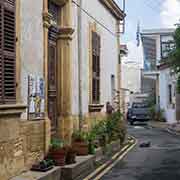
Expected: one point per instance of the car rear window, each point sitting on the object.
(139, 105)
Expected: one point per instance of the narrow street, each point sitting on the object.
(159, 162)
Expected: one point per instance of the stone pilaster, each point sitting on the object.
(65, 83)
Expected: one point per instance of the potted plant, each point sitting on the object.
(58, 152)
(101, 131)
(71, 155)
(79, 143)
(43, 166)
(91, 137)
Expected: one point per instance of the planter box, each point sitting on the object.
(81, 148)
(99, 155)
(108, 150)
(79, 170)
(54, 174)
(178, 107)
(113, 147)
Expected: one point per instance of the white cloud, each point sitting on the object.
(170, 13)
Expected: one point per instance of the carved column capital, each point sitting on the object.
(47, 19)
(65, 33)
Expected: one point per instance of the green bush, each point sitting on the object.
(56, 143)
(157, 115)
(110, 129)
(178, 85)
(79, 136)
(113, 126)
(152, 111)
(160, 116)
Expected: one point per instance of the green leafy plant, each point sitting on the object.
(118, 128)
(174, 57)
(160, 116)
(79, 136)
(56, 143)
(152, 111)
(156, 114)
(178, 85)
(113, 126)
(110, 129)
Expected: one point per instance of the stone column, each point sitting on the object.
(65, 121)
(46, 24)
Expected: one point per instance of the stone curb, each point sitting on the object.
(169, 130)
(132, 142)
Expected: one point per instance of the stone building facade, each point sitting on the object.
(22, 52)
(102, 24)
(41, 38)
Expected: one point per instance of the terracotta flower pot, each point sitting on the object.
(59, 156)
(81, 148)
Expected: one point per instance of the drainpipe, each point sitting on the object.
(80, 62)
(118, 64)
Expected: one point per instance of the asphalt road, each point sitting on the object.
(161, 161)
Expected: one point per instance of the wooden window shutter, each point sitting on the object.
(7, 52)
(96, 68)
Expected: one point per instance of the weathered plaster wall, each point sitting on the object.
(164, 80)
(31, 42)
(158, 48)
(109, 53)
(131, 77)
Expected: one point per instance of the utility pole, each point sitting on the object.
(80, 62)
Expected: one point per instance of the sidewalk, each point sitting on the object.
(171, 128)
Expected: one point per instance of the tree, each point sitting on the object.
(174, 57)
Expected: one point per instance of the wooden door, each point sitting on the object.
(52, 84)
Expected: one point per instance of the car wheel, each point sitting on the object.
(131, 123)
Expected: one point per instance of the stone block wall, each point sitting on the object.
(22, 143)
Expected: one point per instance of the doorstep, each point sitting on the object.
(53, 174)
(83, 166)
(160, 125)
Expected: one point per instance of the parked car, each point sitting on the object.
(138, 112)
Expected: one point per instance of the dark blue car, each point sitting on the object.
(138, 112)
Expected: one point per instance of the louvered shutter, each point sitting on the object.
(1, 51)
(7, 52)
(96, 68)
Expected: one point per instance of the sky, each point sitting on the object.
(150, 14)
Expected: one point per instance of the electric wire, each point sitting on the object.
(97, 21)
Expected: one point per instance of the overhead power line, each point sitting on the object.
(97, 21)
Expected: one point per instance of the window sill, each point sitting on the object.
(95, 107)
(60, 2)
(12, 109)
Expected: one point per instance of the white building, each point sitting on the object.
(157, 73)
(131, 76)
(99, 51)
